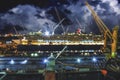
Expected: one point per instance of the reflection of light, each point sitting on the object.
(78, 60)
(24, 62)
(45, 60)
(47, 33)
(12, 62)
(94, 59)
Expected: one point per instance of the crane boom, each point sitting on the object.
(99, 22)
(57, 13)
(15, 30)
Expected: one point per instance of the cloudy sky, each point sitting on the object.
(44, 15)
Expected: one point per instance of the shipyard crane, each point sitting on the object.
(56, 26)
(112, 61)
(58, 15)
(105, 31)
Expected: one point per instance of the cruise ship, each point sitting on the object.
(22, 54)
(80, 54)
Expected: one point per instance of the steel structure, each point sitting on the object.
(104, 30)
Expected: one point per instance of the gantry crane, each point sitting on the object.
(106, 32)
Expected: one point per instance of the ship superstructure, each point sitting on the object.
(33, 49)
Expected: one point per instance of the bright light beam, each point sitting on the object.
(12, 62)
(47, 33)
(24, 62)
(45, 60)
(94, 59)
(78, 60)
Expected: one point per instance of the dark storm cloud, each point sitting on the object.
(35, 15)
(108, 10)
(25, 16)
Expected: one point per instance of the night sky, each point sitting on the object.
(43, 15)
